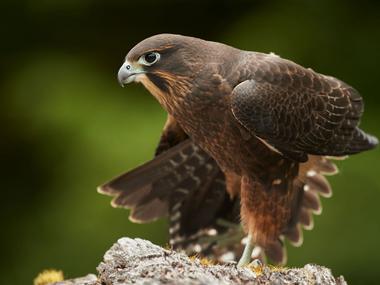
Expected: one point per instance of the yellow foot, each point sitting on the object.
(256, 266)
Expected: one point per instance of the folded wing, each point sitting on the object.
(300, 112)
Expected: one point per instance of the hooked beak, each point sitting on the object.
(127, 73)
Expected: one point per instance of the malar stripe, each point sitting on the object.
(159, 81)
(178, 84)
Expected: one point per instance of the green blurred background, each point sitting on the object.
(67, 126)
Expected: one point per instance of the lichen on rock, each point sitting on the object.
(137, 261)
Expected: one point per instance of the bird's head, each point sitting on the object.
(172, 66)
(166, 63)
(161, 58)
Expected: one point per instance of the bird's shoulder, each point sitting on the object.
(283, 76)
(289, 75)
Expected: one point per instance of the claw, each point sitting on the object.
(256, 266)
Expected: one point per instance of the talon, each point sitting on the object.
(256, 263)
(256, 266)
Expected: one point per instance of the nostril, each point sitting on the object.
(128, 67)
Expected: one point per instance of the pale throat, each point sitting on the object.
(162, 97)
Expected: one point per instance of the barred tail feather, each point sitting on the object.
(308, 186)
(313, 184)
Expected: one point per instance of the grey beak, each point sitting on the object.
(124, 75)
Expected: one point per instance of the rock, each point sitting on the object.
(89, 279)
(137, 261)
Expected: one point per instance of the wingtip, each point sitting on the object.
(363, 142)
(299, 242)
(374, 141)
(318, 211)
(115, 204)
(310, 225)
(105, 190)
(297, 239)
(135, 220)
(100, 189)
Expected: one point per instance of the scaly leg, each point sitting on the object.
(246, 256)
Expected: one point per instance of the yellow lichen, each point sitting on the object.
(48, 276)
(202, 260)
(277, 268)
(206, 262)
(258, 270)
(194, 257)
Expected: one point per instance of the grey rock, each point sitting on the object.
(137, 261)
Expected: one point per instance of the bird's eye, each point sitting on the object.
(149, 58)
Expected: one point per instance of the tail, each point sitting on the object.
(297, 208)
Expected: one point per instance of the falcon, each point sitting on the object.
(248, 139)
